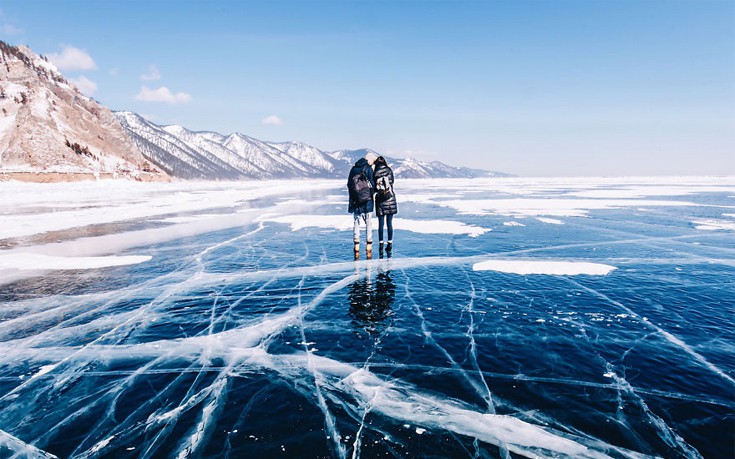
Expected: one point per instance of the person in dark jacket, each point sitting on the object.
(362, 211)
(385, 202)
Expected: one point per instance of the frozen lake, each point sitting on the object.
(576, 318)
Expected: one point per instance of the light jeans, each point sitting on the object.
(367, 218)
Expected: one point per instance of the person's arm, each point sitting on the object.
(350, 196)
(371, 176)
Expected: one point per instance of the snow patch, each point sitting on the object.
(715, 225)
(438, 227)
(35, 261)
(554, 207)
(643, 191)
(559, 268)
(17, 446)
(346, 222)
(41, 106)
(44, 369)
(552, 221)
(6, 122)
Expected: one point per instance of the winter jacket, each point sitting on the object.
(385, 204)
(360, 165)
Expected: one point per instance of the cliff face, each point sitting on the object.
(48, 126)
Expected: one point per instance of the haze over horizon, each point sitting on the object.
(528, 88)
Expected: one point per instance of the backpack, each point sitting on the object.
(360, 188)
(383, 186)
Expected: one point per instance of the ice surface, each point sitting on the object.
(230, 320)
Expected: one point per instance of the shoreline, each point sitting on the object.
(60, 177)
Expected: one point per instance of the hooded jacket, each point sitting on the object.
(361, 165)
(385, 204)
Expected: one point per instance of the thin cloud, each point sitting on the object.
(152, 75)
(85, 85)
(162, 94)
(11, 30)
(72, 59)
(272, 120)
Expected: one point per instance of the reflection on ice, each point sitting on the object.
(220, 322)
(371, 300)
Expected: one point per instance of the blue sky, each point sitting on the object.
(535, 88)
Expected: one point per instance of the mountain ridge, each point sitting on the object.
(174, 147)
(47, 126)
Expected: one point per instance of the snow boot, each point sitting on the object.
(369, 250)
(357, 250)
(381, 245)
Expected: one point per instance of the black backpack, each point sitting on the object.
(360, 188)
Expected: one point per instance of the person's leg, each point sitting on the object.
(368, 236)
(381, 224)
(389, 245)
(368, 228)
(356, 234)
(356, 228)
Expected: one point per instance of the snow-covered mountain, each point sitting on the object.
(211, 156)
(48, 127)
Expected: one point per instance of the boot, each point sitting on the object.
(369, 250)
(389, 247)
(381, 245)
(357, 250)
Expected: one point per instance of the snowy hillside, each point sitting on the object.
(211, 156)
(47, 126)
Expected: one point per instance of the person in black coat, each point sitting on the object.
(385, 202)
(362, 211)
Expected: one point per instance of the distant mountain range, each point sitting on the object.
(48, 127)
(210, 155)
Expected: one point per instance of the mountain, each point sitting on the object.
(48, 127)
(211, 156)
(50, 131)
